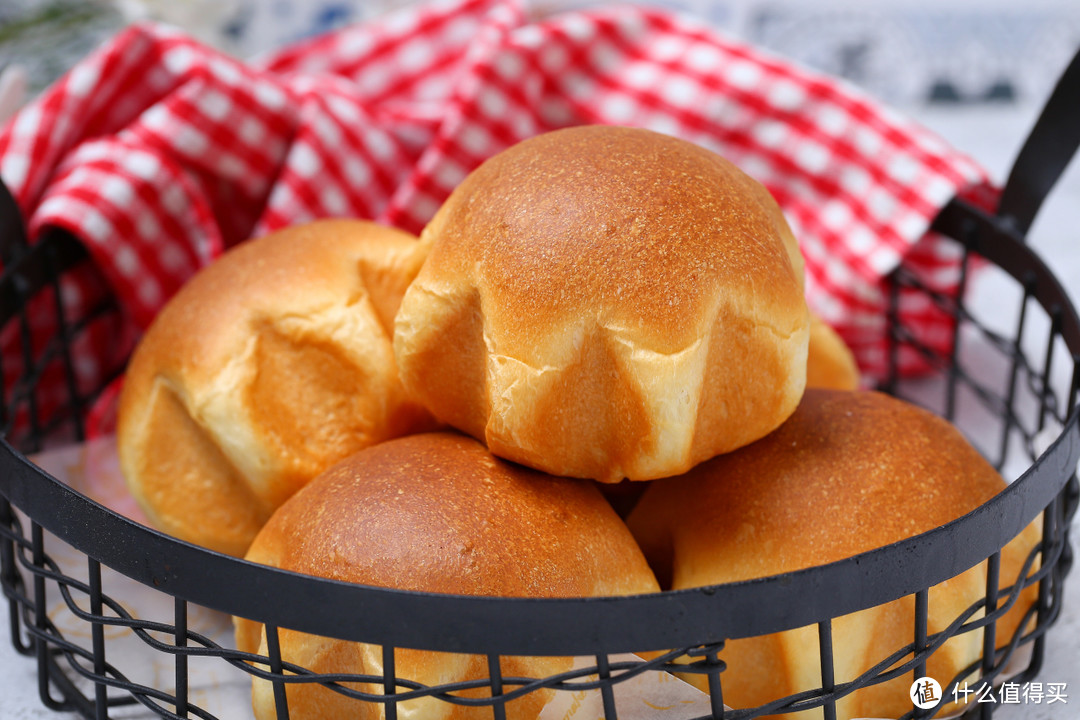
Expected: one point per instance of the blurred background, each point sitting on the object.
(910, 53)
(951, 64)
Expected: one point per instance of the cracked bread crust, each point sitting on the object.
(607, 302)
(266, 367)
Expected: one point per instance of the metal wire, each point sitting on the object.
(702, 660)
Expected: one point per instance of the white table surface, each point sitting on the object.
(990, 134)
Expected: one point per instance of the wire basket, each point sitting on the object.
(1013, 390)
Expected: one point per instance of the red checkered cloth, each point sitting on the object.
(159, 152)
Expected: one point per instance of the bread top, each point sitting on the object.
(437, 512)
(637, 231)
(297, 272)
(850, 471)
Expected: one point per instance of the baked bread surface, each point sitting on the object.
(830, 363)
(438, 513)
(607, 302)
(847, 473)
(266, 367)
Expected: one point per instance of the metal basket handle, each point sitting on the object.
(1046, 153)
(12, 231)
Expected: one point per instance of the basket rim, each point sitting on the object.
(536, 626)
(579, 626)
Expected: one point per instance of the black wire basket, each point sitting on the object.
(1012, 390)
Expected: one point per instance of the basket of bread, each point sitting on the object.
(599, 416)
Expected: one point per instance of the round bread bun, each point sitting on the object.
(437, 512)
(830, 362)
(606, 302)
(850, 471)
(266, 367)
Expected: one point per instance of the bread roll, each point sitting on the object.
(606, 302)
(438, 513)
(848, 472)
(830, 363)
(265, 368)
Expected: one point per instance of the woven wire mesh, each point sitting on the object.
(1022, 378)
(66, 662)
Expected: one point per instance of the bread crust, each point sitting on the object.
(830, 363)
(438, 513)
(606, 302)
(266, 367)
(850, 471)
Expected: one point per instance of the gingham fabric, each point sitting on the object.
(159, 152)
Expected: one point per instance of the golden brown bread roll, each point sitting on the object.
(606, 302)
(266, 367)
(830, 363)
(437, 512)
(848, 472)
